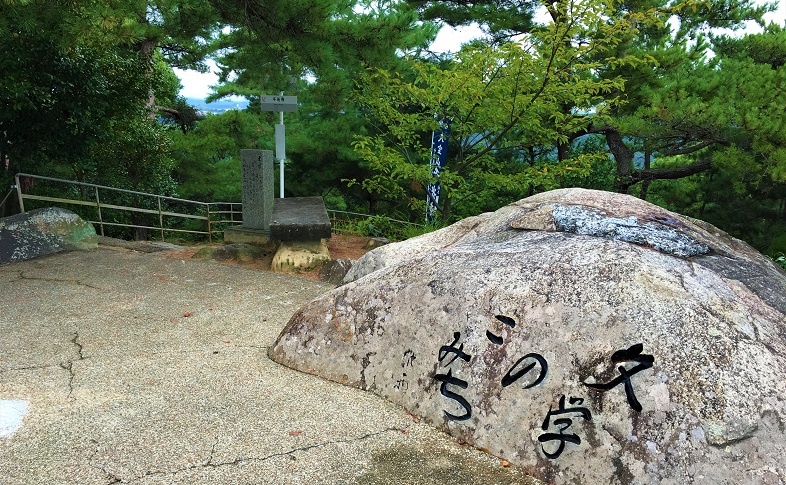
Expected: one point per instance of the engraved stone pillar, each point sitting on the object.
(257, 173)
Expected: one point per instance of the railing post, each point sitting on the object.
(19, 194)
(100, 219)
(209, 231)
(160, 219)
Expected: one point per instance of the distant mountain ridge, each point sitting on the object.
(219, 106)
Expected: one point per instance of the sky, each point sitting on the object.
(197, 85)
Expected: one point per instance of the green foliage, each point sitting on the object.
(376, 226)
(318, 150)
(88, 93)
(78, 84)
(274, 46)
(56, 106)
(500, 20)
(504, 102)
(139, 149)
(208, 157)
(395, 230)
(780, 260)
(778, 243)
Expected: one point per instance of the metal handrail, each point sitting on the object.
(207, 206)
(215, 214)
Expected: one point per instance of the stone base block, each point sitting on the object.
(299, 219)
(300, 255)
(246, 235)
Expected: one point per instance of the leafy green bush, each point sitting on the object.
(383, 226)
(375, 226)
(780, 260)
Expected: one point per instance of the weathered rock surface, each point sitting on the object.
(588, 337)
(43, 231)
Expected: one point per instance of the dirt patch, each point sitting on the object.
(341, 246)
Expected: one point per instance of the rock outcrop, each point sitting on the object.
(586, 336)
(43, 231)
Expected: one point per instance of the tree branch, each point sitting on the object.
(678, 150)
(671, 173)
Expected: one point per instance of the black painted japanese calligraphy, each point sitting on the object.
(452, 349)
(450, 380)
(406, 361)
(447, 380)
(536, 360)
(562, 425)
(496, 339)
(631, 354)
(409, 357)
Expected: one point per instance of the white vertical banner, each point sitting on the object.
(281, 153)
(439, 153)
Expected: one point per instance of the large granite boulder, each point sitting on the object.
(586, 336)
(43, 231)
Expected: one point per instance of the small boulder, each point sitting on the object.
(589, 337)
(334, 271)
(376, 242)
(43, 231)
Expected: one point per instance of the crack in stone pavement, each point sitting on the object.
(31, 367)
(208, 463)
(23, 276)
(19, 275)
(266, 348)
(69, 364)
(111, 476)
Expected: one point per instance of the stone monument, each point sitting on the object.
(258, 199)
(298, 226)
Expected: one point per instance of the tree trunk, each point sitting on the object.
(623, 157)
(562, 151)
(446, 207)
(147, 47)
(645, 185)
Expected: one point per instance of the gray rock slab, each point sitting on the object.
(43, 231)
(300, 219)
(140, 368)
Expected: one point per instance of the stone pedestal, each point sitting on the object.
(300, 255)
(302, 226)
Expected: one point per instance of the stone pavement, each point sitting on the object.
(139, 368)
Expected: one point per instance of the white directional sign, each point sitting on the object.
(279, 103)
